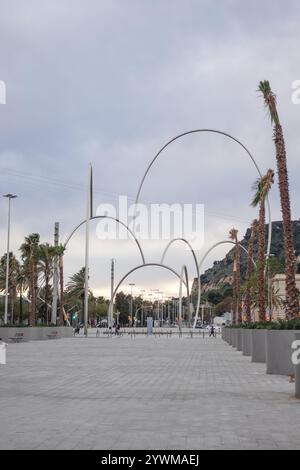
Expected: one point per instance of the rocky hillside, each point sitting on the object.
(221, 272)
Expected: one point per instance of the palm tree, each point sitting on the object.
(237, 307)
(75, 289)
(22, 280)
(254, 229)
(29, 254)
(262, 187)
(292, 304)
(46, 254)
(59, 251)
(14, 267)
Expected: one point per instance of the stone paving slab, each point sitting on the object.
(143, 393)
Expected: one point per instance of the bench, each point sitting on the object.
(52, 335)
(17, 338)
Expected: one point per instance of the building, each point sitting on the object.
(278, 289)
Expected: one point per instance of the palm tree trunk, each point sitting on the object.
(292, 305)
(62, 296)
(32, 316)
(238, 282)
(248, 278)
(261, 263)
(21, 304)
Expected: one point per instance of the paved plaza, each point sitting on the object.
(143, 393)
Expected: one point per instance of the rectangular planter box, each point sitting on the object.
(229, 341)
(7, 333)
(239, 344)
(38, 333)
(234, 338)
(279, 352)
(246, 343)
(258, 345)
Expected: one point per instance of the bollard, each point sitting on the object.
(297, 365)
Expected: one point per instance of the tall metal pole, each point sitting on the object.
(10, 197)
(87, 247)
(55, 277)
(111, 316)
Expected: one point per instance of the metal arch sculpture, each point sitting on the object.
(212, 131)
(136, 268)
(196, 265)
(110, 218)
(205, 256)
(184, 273)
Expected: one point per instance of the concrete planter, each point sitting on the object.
(234, 338)
(7, 333)
(258, 345)
(239, 336)
(279, 351)
(229, 341)
(297, 370)
(36, 334)
(246, 343)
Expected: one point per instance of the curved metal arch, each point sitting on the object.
(225, 134)
(145, 265)
(184, 272)
(196, 264)
(110, 218)
(207, 253)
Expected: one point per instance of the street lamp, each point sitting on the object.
(9, 197)
(131, 304)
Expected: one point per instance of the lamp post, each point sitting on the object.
(9, 197)
(131, 303)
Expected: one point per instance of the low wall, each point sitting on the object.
(36, 333)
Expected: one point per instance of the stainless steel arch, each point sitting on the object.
(184, 272)
(207, 253)
(196, 264)
(145, 265)
(225, 134)
(110, 218)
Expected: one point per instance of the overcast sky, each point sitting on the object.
(111, 81)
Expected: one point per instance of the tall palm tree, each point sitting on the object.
(29, 253)
(46, 254)
(59, 251)
(14, 267)
(237, 307)
(292, 304)
(22, 284)
(75, 289)
(254, 230)
(261, 188)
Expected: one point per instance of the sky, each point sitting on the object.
(110, 82)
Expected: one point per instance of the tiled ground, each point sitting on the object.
(143, 393)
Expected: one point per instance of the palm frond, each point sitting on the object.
(270, 100)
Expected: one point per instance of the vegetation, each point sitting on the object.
(262, 187)
(292, 303)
